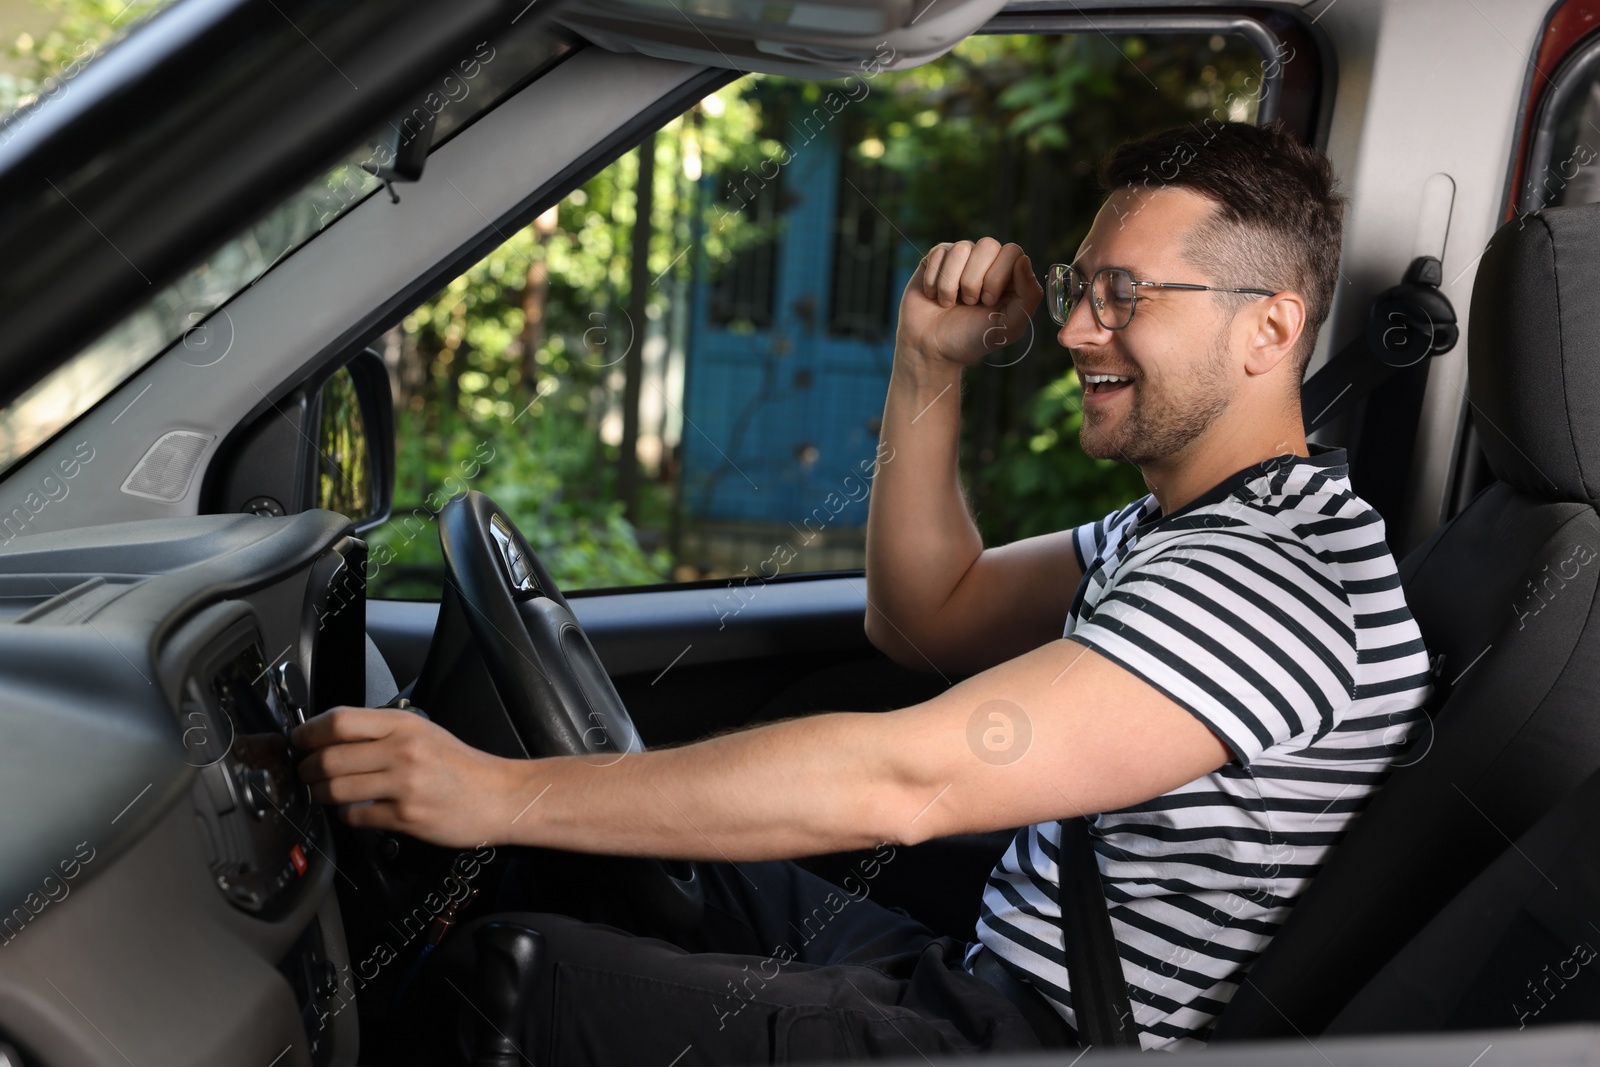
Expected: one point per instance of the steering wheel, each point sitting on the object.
(501, 606)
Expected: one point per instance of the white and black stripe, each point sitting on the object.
(1271, 609)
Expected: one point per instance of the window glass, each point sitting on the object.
(1564, 160)
(182, 313)
(713, 411)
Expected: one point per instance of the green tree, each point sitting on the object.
(521, 353)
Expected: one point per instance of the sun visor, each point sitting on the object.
(807, 39)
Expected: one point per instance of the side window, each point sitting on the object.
(678, 372)
(1564, 156)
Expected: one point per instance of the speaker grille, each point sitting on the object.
(167, 469)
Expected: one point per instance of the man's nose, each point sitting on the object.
(1082, 327)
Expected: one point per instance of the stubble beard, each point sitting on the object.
(1160, 423)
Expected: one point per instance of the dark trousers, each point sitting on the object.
(783, 968)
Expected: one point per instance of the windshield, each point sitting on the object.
(183, 312)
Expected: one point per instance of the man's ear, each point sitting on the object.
(1274, 327)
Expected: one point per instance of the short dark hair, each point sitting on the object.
(1279, 212)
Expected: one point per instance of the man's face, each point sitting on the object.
(1177, 347)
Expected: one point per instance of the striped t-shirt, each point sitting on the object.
(1271, 609)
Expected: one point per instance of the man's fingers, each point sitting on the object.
(1001, 275)
(930, 269)
(947, 282)
(377, 815)
(968, 272)
(346, 724)
(977, 269)
(355, 788)
(342, 759)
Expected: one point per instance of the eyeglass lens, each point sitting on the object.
(1112, 295)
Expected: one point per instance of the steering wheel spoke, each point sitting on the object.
(552, 695)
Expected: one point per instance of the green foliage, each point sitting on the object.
(545, 472)
(967, 133)
(1041, 482)
(81, 30)
(536, 398)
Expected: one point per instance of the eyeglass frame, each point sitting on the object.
(1133, 303)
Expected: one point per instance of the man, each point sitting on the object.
(1238, 672)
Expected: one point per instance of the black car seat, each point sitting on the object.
(1505, 595)
(1516, 948)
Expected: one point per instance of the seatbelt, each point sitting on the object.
(1405, 325)
(1099, 991)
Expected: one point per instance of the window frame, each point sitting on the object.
(1300, 95)
(1579, 70)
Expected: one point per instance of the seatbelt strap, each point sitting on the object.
(1099, 991)
(1350, 375)
(1405, 326)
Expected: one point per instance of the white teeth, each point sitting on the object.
(1096, 379)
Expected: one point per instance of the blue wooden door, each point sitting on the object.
(788, 362)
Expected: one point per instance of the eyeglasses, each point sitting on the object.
(1114, 291)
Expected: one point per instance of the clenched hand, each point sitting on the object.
(967, 299)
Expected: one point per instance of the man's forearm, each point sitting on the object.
(823, 783)
(920, 537)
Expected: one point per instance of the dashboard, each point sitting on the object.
(166, 882)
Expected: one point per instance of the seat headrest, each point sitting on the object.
(1533, 353)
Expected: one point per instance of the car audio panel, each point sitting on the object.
(259, 827)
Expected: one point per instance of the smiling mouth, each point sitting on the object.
(1096, 384)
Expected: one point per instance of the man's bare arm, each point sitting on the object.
(937, 599)
(1077, 734)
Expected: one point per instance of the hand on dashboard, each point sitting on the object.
(387, 769)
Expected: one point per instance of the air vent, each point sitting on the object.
(167, 469)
